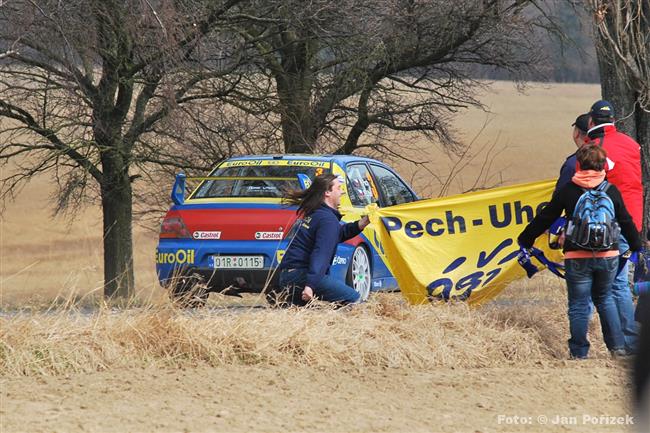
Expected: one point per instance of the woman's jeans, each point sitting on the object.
(328, 288)
(587, 279)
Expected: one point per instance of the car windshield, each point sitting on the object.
(259, 178)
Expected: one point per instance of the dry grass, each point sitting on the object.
(382, 333)
(533, 130)
(385, 332)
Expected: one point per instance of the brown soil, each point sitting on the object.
(286, 399)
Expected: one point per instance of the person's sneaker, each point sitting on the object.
(620, 353)
(578, 358)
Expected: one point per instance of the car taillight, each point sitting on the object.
(174, 227)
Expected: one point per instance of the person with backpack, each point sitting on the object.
(597, 216)
(624, 172)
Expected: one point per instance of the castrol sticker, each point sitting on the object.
(268, 235)
(206, 235)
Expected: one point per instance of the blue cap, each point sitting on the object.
(602, 109)
(582, 122)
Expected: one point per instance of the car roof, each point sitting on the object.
(342, 159)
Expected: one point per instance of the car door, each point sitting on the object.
(362, 191)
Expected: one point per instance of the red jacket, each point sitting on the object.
(626, 173)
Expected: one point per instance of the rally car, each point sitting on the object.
(230, 234)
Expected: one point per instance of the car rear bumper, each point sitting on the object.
(239, 280)
(180, 257)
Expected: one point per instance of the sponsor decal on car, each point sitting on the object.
(268, 235)
(206, 235)
(275, 162)
(338, 260)
(180, 257)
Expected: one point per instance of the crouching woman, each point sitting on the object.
(590, 273)
(304, 270)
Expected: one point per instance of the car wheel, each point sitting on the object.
(359, 272)
(189, 291)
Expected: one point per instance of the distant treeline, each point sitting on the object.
(571, 56)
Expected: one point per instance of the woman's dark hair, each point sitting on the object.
(591, 157)
(310, 199)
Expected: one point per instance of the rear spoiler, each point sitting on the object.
(178, 190)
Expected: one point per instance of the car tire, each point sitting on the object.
(359, 275)
(189, 291)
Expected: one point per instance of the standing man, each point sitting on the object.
(580, 128)
(625, 173)
(568, 169)
(306, 262)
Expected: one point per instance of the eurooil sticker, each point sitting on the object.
(179, 257)
(275, 162)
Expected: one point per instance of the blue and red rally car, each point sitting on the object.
(231, 232)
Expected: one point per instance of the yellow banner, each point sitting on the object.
(463, 246)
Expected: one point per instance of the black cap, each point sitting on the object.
(582, 122)
(602, 110)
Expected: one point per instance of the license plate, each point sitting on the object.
(237, 262)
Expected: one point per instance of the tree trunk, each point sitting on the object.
(118, 239)
(298, 130)
(294, 83)
(631, 119)
(643, 138)
(615, 90)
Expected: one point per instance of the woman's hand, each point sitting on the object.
(363, 222)
(307, 294)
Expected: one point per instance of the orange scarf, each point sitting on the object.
(588, 178)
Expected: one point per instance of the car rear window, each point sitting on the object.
(258, 178)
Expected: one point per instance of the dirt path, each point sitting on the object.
(285, 399)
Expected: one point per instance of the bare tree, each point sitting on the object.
(623, 50)
(89, 82)
(367, 68)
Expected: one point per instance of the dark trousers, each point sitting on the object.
(328, 289)
(591, 279)
(642, 362)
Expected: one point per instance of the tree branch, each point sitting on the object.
(16, 113)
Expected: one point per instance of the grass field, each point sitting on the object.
(75, 365)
